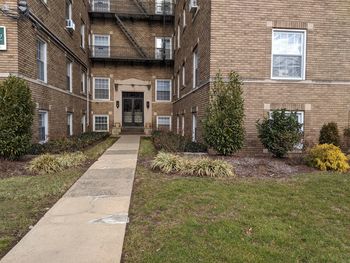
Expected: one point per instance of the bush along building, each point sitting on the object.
(141, 65)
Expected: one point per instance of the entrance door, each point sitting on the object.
(133, 105)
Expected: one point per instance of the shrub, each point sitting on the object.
(168, 163)
(48, 163)
(329, 134)
(280, 133)
(171, 142)
(16, 118)
(206, 167)
(327, 157)
(201, 167)
(70, 144)
(224, 121)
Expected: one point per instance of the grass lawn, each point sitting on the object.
(304, 218)
(25, 199)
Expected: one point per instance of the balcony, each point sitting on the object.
(129, 54)
(143, 9)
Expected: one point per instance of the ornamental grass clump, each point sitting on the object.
(206, 167)
(328, 157)
(168, 163)
(49, 163)
(200, 167)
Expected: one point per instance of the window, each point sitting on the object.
(163, 90)
(195, 68)
(69, 124)
(194, 127)
(70, 76)
(163, 48)
(184, 18)
(177, 125)
(43, 126)
(101, 123)
(300, 117)
(83, 82)
(178, 86)
(41, 59)
(101, 5)
(183, 125)
(183, 75)
(288, 54)
(68, 9)
(101, 46)
(164, 123)
(83, 123)
(163, 7)
(82, 35)
(178, 37)
(101, 89)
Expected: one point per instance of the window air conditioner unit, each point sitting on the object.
(70, 24)
(193, 6)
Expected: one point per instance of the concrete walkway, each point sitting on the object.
(88, 223)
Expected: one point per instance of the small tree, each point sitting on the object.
(280, 133)
(224, 121)
(16, 118)
(329, 134)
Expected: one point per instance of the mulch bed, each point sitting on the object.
(268, 166)
(14, 168)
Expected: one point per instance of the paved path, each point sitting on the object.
(88, 223)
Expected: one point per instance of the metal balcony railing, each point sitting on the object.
(129, 53)
(134, 7)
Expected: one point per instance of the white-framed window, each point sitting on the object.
(101, 123)
(288, 54)
(163, 90)
(300, 117)
(163, 48)
(184, 18)
(101, 88)
(178, 86)
(68, 9)
(178, 36)
(164, 123)
(83, 82)
(183, 125)
(70, 76)
(195, 68)
(82, 35)
(178, 125)
(194, 127)
(101, 5)
(101, 46)
(163, 7)
(83, 123)
(43, 118)
(70, 124)
(41, 59)
(183, 75)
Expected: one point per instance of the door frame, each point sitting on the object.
(125, 97)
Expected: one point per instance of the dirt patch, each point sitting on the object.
(14, 168)
(267, 166)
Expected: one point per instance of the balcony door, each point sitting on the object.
(133, 109)
(101, 46)
(163, 48)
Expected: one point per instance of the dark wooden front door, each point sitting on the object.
(133, 113)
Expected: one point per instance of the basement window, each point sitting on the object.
(288, 54)
(101, 123)
(164, 123)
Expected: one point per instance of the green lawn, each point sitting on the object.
(305, 218)
(23, 200)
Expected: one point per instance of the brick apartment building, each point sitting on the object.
(108, 65)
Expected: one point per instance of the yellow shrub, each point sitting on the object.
(328, 157)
